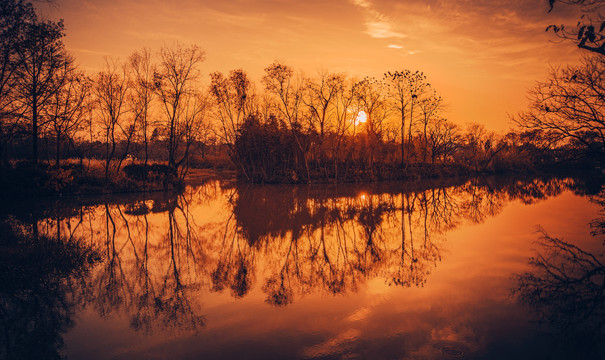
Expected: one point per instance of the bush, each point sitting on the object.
(149, 172)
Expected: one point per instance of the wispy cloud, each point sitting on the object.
(89, 52)
(362, 3)
(405, 52)
(377, 25)
(382, 29)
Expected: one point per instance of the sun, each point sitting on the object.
(362, 117)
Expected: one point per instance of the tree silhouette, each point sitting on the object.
(442, 139)
(42, 57)
(569, 107)
(233, 100)
(14, 17)
(405, 87)
(588, 33)
(142, 96)
(69, 107)
(175, 83)
(281, 81)
(321, 97)
(430, 105)
(110, 90)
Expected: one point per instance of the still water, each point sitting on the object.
(481, 269)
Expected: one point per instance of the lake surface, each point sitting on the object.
(482, 269)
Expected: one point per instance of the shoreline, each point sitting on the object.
(85, 184)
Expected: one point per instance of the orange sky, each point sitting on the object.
(481, 55)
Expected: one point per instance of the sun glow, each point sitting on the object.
(361, 118)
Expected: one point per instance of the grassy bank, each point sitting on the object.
(26, 179)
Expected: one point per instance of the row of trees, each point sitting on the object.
(335, 127)
(307, 126)
(43, 94)
(290, 127)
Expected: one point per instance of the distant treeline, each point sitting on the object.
(329, 127)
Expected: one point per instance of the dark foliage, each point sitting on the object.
(37, 297)
(153, 172)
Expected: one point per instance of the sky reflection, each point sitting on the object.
(411, 272)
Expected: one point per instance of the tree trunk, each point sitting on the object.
(304, 155)
(145, 141)
(410, 128)
(426, 141)
(402, 139)
(35, 130)
(171, 140)
(58, 155)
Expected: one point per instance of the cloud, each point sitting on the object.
(362, 3)
(382, 29)
(378, 25)
(399, 47)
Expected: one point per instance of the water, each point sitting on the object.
(489, 268)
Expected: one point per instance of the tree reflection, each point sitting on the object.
(332, 239)
(41, 285)
(159, 253)
(566, 289)
(147, 274)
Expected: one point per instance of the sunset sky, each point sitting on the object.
(482, 55)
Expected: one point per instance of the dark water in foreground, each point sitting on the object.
(487, 269)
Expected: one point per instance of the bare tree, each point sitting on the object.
(345, 113)
(442, 139)
(404, 89)
(401, 98)
(280, 81)
(321, 99)
(372, 101)
(570, 106)
(345, 109)
(68, 107)
(175, 79)
(110, 90)
(233, 100)
(14, 17)
(430, 106)
(142, 94)
(480, 147)
(42, 57)
(189, 129)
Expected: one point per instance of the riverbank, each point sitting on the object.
(416, 172)
(25, 179)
